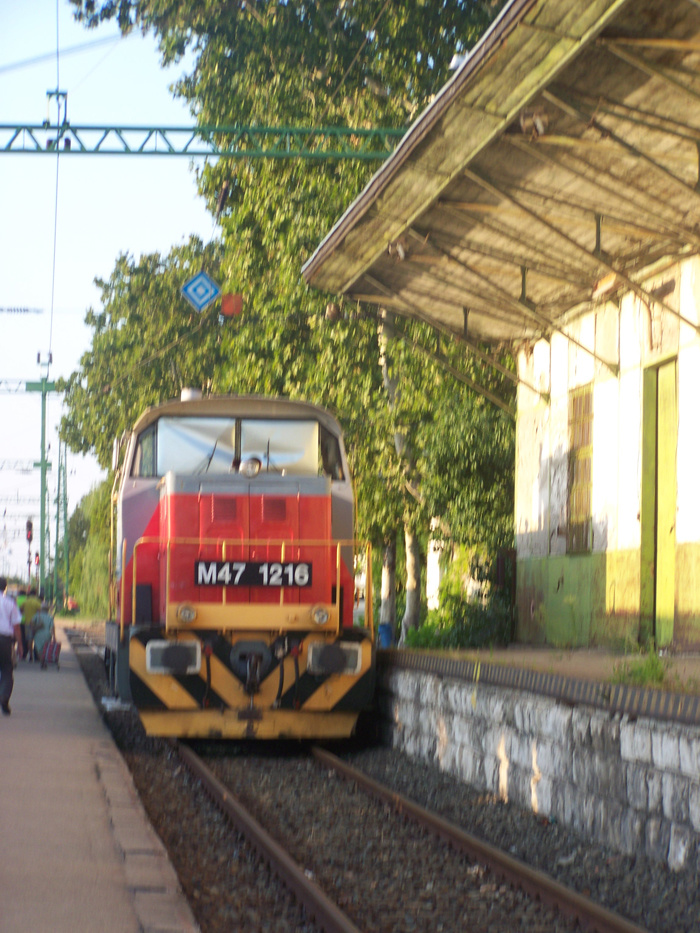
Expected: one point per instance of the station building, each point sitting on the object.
(548, 201)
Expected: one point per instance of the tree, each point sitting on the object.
(467, 460)
(88, 541)
(363, 63)
(146, 346)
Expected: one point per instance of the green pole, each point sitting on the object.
(42, 465)
(58, 520)
(44, 387)
(65, 520)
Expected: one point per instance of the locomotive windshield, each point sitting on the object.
(196, 444)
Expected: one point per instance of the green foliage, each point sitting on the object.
(88, 535)
(438, 449)
(651, 670)
(468, 459)
(463, 620)
(142, 352)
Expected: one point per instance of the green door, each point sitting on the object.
(667, 442)
(658, 545)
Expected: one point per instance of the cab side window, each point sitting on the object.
(145, 456)
(330, 455)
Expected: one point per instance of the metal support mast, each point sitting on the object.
(43, 465)
(58, 528)
(232, 142)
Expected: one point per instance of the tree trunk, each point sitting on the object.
(387, 611)
(411, 618)
(391, 383)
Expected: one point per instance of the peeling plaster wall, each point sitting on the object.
(595, 597)
(633, 785)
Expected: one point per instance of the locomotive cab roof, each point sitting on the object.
(240, 406)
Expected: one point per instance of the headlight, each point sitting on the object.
(250, 467)
(336, 658)
(186, 613)
(320, 615)
(176, 658)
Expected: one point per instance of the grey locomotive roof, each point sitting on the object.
(240, 406)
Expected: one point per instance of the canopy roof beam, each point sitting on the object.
(522, 306)
(590, 119)
(499, 311)
(548, 268)
(638, 117)
(642, 293)
(666, 229)
(412, 313)
(613, 46)
(504, 300)
(438, 358)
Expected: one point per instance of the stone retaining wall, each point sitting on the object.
(633, 785)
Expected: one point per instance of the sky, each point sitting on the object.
(64, 223)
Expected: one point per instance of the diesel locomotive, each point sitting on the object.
(233, 568)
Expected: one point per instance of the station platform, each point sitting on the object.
(681, 670)
(663, 686)
(78, 852)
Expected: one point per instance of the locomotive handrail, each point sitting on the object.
(250, 542)
(123, 594)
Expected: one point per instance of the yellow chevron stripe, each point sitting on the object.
(334, 688)
(330, 692)
(166, 688)
(228, 687)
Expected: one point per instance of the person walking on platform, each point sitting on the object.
(21, 599)
(43, 630)
(10, 619)
(32, 605)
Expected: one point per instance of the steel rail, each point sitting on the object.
(536, 883)
(327, 914)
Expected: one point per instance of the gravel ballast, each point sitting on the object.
(230, 888)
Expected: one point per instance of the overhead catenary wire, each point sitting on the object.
(71, 50)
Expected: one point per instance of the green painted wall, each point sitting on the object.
(580, 600)
(594, 599)
(686, 628)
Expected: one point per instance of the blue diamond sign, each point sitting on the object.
(200, 291)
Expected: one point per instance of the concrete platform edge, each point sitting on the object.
(158, 900)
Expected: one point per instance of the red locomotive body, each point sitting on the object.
(234, 582)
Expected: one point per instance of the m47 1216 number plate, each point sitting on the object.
(251, 573)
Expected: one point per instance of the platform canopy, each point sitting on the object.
(556, 168)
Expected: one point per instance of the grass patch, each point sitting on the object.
(649, 671)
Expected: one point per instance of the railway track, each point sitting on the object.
(461, 889)
(229, 889)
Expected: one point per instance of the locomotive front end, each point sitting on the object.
(235, 599)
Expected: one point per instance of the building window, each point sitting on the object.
(579, 524)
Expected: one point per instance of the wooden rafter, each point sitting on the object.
(538, 259)
(590, 119)
(583, 252)
(536, 252)
(610, 187)
(523, 308)
(637, 116)
(416, 314)
(648, 68)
